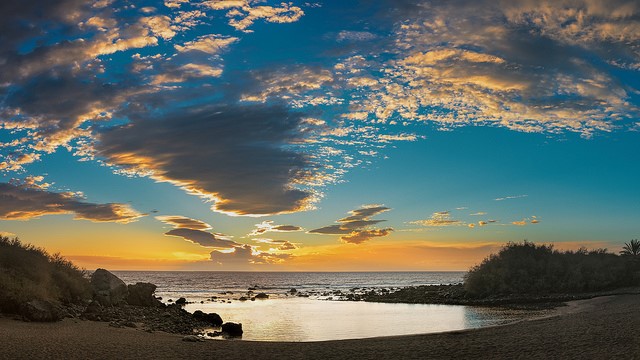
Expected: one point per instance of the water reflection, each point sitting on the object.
(301, 319)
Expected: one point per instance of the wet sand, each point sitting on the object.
(600, 328)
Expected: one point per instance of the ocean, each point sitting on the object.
(308, 306)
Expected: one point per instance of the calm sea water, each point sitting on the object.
(318, 315)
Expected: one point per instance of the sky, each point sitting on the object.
(358, 135)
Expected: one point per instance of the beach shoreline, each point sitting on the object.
(602, 327)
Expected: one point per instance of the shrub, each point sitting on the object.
(526, 268)
(29, 273)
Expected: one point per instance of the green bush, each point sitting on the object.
(29, 273)
(529, 269)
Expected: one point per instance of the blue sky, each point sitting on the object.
(261, 135)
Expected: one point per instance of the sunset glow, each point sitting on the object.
(317, 136)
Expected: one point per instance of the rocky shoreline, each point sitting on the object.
(455, 294)
(133, 306)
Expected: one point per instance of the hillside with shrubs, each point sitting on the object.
(29, 273)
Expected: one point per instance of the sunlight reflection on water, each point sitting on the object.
(301, 319)
(287, 317)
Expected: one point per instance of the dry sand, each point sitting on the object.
(600, 328)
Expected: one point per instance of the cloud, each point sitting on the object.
(526, 221)
(182, 222)
(246, 254)
(242, 15)
(233, 155)
(441, 218)
(543, 66)
(210, 44)
(297, 82)
(281, 245)
(268, 226)
(194, 231)
(186, 72)
(355, 228)
(355, 36)
(511, 197)
(358, 237)
(24, 202)
(203, 238)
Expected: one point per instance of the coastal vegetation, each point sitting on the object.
(529, 269)
(29, 273)
(524, 272)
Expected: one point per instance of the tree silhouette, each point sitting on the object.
(631, 248)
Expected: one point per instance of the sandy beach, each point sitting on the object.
(599, 328)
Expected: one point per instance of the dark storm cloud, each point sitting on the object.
(235, 155)
(22, 202)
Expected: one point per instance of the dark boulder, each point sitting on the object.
(262, 296)
(232, 329)
(211, 318)
(108, 289)
(141, 294)
(181, 301)
(40, 310)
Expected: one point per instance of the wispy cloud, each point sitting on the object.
(346, 35)
(510, 197)
(440, 218)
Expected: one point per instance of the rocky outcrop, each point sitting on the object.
(232, 329)
(108, 289)
(41, 310)
(181, 301)
(210, 318)
(141, 294)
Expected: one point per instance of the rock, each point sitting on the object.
(192, 338)
(211, 318)
(232, 329)
(262, 296)
(108, 289)
(181, 301)
(40, 310)
(141, 294)
(94, 307)
(293, 291)
(243, 298)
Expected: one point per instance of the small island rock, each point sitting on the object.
(232, 329)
